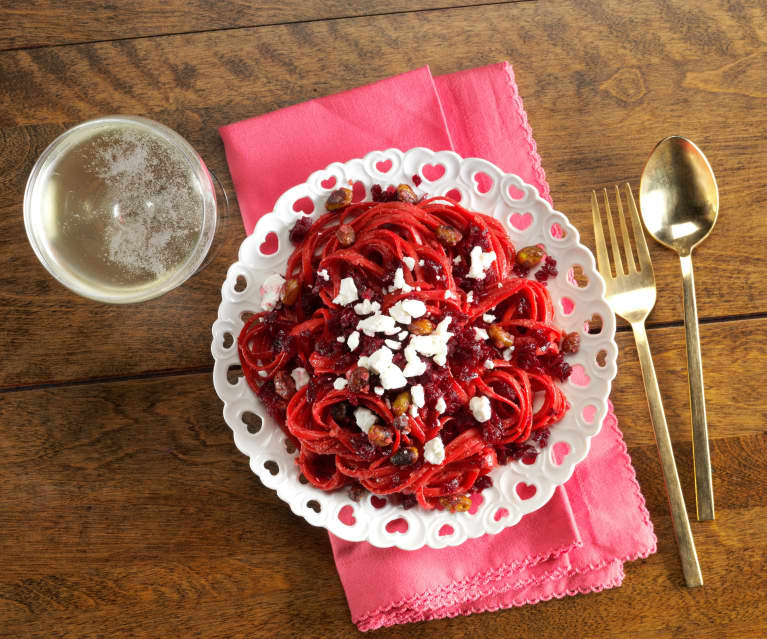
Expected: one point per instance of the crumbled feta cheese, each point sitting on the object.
(353, 341)
(413, 410)
(324, 274)
(440, 406)
(398, 312)
(420, 262)
(402, 335)
(380, 359)
(480, 262)
(435, 344)
(393, 344)
(457, 260)
(449, 295)
(414, 308)
(347, 292)
(366, 307)
(480, 334)
(365, 418)
(392, 377)
(507, 353)
(409, 262)
(340, 383)
(400, 283)
(270, 291)
(415, 365)
(480, 408)
(377, 324)
(300, 377)
(378, 390)
(488, 317)
(263, 374)
(416, 394)
(470, 297)
(434, 451)
(340, 339)
(489, 364)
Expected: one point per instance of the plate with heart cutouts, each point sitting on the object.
(577, 293)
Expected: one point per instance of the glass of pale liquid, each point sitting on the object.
(120, 209)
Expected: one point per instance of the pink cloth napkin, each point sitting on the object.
(578, 542)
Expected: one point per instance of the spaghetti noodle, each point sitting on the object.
(407, 355)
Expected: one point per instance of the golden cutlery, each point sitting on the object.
(631, 294)
(679, 200)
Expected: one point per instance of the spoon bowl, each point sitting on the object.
(678, 195)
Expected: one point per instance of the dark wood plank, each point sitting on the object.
(127, 511)
(49, 23)
(597, 104)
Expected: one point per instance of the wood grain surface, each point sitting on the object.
(125, 509)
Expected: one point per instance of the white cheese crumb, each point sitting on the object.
(378, 390)
(470, 297)
(480, 334)
(353, 341)
(340, 383)
(489, 364)
(409, 262)
(398, 312)
(392, 377)
(270, 291)
(435, 344)
(347, 292)
(365, 418)
(416, 394)
(413, 410)
(380, 359)
(324, 274)
(415, 365)
(400, 283)
(480, 262)
(300, 377)
(488, 317)
(393, 344)
(341, 339)
(480, 408)
(440, 406)
(420, 262)
(377, 324)
(457, 260)
(263, 374)
(366, 307)
(434, 451)
(507, 353)
(402, 335)
(415, 308)
(449, 295)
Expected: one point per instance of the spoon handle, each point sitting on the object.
(679, 519)
(704, 489)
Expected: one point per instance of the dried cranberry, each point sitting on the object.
(571, 343)
(348, 317)
(284, 385)
(480, 484)
(520, 271)
(359, 379)
(549, 269)
(299, 230)
(356, 491)
(492, 430)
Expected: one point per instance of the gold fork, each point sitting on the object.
(631, 294)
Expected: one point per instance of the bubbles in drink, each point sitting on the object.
(120, 209)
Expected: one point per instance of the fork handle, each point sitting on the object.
(682, 531)
(704, 489)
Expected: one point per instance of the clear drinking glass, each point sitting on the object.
(121, 209)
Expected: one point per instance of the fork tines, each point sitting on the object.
(603, 259)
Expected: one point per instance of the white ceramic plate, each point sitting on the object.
(529, 220)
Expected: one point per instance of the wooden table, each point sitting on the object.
(125, 509)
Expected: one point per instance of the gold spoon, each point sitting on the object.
(680, 202)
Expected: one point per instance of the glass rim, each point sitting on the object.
(209, 203)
